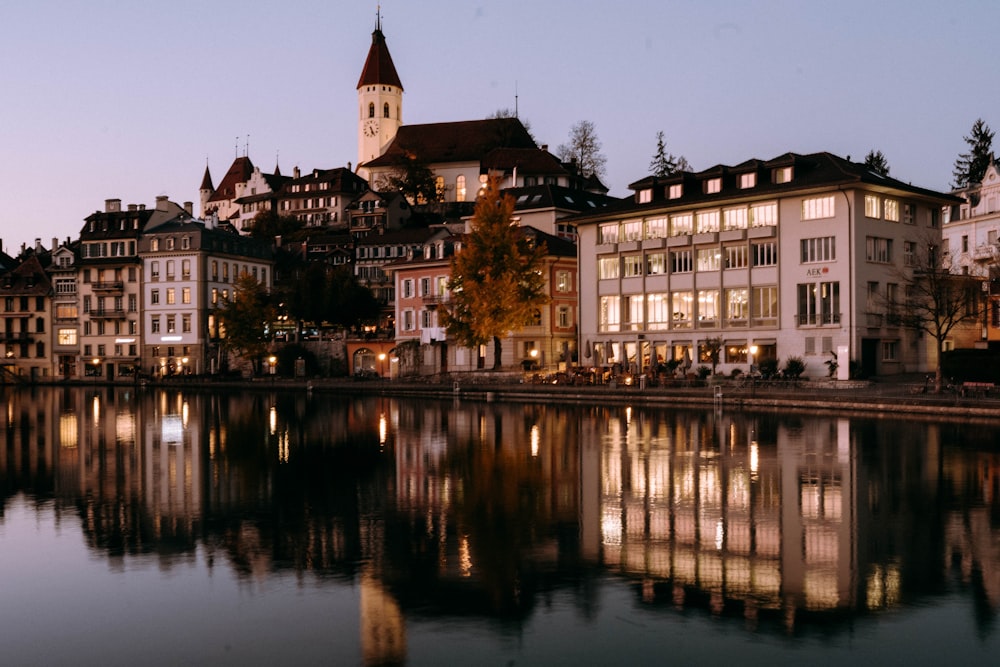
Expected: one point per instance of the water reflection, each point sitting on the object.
(484, 512)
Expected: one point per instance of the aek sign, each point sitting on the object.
(818, 271)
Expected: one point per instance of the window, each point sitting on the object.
(890, 350)
(186, 268)
(736, 256)
(681, 316)
(632, 312)
(408, 288)
(385, 110)
(460, 187)
(909, 214)
(764, 215)
(819, 303)
(748, 180)
(154, 297)
(154, 270)
(909, 253)
(783, 175)
(633, 265)
(681, 262)
(709, 259)
(186, 324)
(817, 208)
(821, 249)
(426, 319)
(607, 233)
(607, 268)
(681, 224)
(185, 242)
(935, 217)
(878, 250)
(708, 308)
(170, 243)
(657, 311)
(170, 269)
(734, 218)
(965, 244)
(425, 287)
(563, 282)
(371, 109)
(609, 317)
(66, 337)
(563, 317)
(656, 264)
(171, 324)
(708, 222)
(631, 231)
(656, 228)
(408, 320)
(154, 245)
(215, 269)
(66, 311)
(765, 254)
(871, 206)
(675, 191)
(171, 296)
(645, 196)
(186, 295)
(891, 207)
(737, 304)
(154, 324)
(713, 185)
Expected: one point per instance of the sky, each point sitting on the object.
(104, 99)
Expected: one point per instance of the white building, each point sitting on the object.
(801, 255)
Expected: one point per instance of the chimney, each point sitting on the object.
(55, 243)
(161, 202)
(189, 207)
(132, 208)
(142, 207)
(38, 245)
(348, 165)
(112, 205)
(296, 173)
(545, 147)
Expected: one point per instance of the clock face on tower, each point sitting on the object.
(371, 128)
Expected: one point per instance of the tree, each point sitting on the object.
(936, 301)
(971, 166)
(245, 318)
(585, 148)
(664, 163)
(413, 179)
(496, 281)
(269, 224)
(876, 161)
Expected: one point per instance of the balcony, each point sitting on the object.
(985, 251)
(818, 319)
(109, 314)
(432, 301)
(16, 336)
(105, 287)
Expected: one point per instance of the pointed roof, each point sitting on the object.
(206, 181)
(239, 172)
(378, 67)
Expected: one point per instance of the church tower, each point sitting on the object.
(380, 100)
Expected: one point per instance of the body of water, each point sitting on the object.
(164, 527)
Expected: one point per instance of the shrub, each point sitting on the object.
(768, 368)
(702, 372)
(794, 367)
(735, 373)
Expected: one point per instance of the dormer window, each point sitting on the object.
(645, 196)
(748, 180)
(713, 185)
(154, 245)
(170, 244)
(675, 191)
(783, 175)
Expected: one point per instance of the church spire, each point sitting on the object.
(378, 69)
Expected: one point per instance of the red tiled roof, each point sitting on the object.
(378, 67)
(239, 172)
(461, 141)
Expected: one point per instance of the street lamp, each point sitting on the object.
(97, 367)
(381, 365)
(273, 361)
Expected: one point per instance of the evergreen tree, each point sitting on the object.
(585, 148)
(971, 166)
(664, 163)
(496, 281)
(876, 161)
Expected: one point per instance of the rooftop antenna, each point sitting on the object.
(246, 150)
(236, 147)
(378, 17)
(515, 100)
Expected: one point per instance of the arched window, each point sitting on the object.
(385, 110)
(460, 188)
(371, 109)
(364, 361)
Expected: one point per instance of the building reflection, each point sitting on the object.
(480, 509)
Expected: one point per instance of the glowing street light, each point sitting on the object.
(381, 365)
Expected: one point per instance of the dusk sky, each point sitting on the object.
(113, 99)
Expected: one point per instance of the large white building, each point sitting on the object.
(801, 255)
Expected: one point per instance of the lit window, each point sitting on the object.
(607, 268)
(607, 233)
(656, 228)
(708, 222)
(783, 175)
(460, 188)
(871, 206)
(633, 265)
(681, 224)
(713, 185)
(675, 191)
(748, 180)
(816, 208)
(645, 196)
